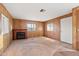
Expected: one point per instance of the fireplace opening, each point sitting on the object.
(20, 35)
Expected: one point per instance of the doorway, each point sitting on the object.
(66, 30)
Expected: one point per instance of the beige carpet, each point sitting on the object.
(39, 46)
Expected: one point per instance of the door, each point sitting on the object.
(66, 30)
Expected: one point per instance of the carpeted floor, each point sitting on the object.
(39, 46)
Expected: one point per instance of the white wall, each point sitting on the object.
(66, 30)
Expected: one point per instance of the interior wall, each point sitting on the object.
(55, 34)
(6, 39)
(76, 28)
(22, 24)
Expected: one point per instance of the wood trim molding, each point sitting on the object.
(63, 16)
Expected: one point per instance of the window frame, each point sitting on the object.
(50, 27)
(32, 27)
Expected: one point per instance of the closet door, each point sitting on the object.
(66, 30)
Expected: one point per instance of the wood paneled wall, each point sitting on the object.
(6, 39)
(76, 28)
(22, 24)
(55, 34)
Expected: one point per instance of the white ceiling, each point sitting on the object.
(31, 11)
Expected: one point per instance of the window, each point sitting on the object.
(31, 27)
(50, 27)
(5, 24)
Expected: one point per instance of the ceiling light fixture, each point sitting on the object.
(42, 10)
